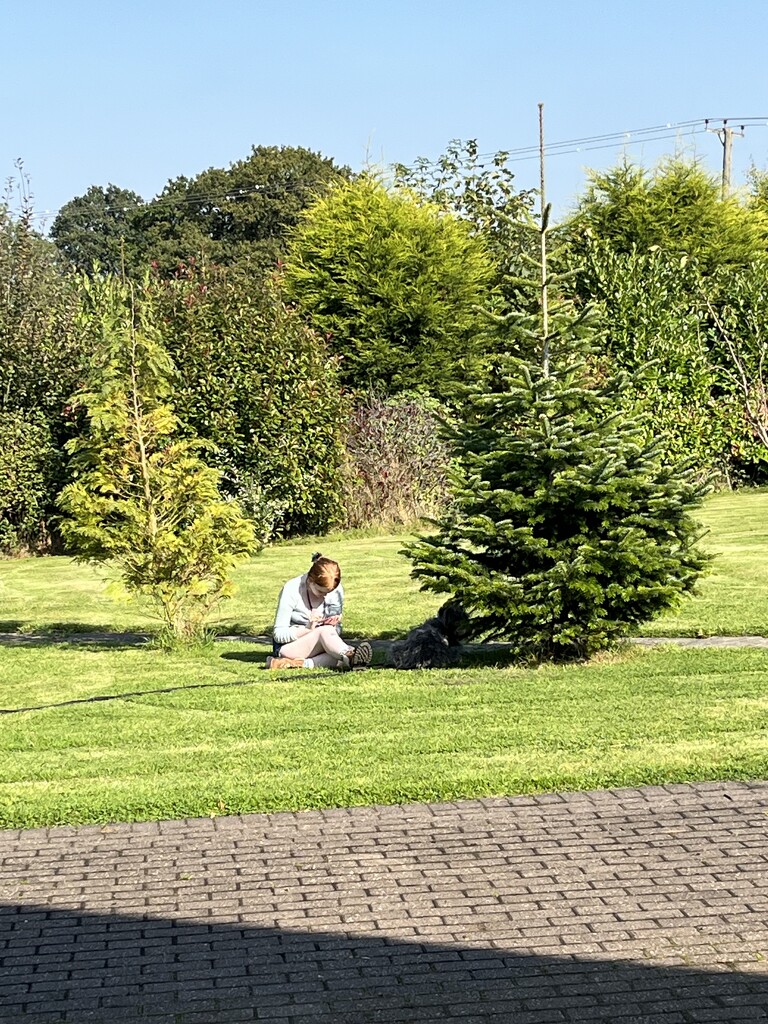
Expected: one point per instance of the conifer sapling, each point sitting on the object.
(566, 530)
(142, 496)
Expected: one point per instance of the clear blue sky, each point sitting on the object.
(134, 93)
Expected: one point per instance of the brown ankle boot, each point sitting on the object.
(285, 663)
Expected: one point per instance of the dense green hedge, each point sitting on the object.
(28, 465)
(259, 386)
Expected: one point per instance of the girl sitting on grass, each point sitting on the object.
(307, 626)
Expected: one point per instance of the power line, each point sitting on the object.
(608, 145)
(607, 140)
(523, 155)
(633, 134)
(202, 198)
(606, 137)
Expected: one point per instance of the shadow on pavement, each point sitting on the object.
(76, 966)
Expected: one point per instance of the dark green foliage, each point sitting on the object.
(741, 328)
(567, 531)
(41, 355)
(239, 213)
(100, 228)
(649, 246)
(658, 329)
(28, 470)
(567, 528)
(223, 215)
(393, 284)
(258, 385)
(254, 202)
(42, 360)
(396, 462)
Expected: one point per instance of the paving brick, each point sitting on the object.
(622, 905)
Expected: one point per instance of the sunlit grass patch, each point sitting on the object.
(209, 731)
(242, 739)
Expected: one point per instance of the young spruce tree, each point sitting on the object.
(142, 497)
(566, 529)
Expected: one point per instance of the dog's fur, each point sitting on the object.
(436, 644)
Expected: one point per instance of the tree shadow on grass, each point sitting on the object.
(78, 965)
(492, 655)
(58, 629)
(81, 634)
(242, 630)
(477, 656)
(92, 634)
(249, 657)
(388, 634)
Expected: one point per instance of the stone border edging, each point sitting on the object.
(135, 639)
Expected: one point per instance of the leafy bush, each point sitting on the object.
(41, 362)
(666, 325)
(257, 384)
(741, 326)
(483, 195)
(677, 208)
(41, 352)
(28, 464)
(396, 463)
(656, 330)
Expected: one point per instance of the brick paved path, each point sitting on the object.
(623, 906)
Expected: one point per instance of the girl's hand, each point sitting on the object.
(332, 620)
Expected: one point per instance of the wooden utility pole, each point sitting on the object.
(727, 140)
(726, 134)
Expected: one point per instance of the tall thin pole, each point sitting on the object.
(544, 220)
(727, 151)
(726, 136)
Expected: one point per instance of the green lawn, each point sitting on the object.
(58, 594)
(248, 740)
(382, 600)
(227, 737)
(733, 598)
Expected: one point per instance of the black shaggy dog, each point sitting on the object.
(436, 644)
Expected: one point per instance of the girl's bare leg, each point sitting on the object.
(323, 645)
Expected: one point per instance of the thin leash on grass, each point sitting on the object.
(137, 693)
